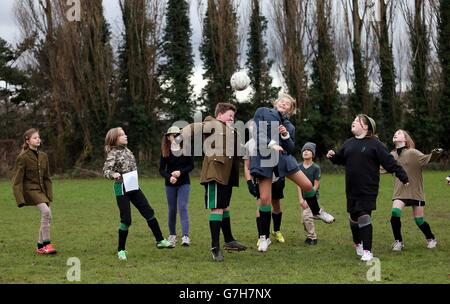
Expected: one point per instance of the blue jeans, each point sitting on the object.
(178, 196)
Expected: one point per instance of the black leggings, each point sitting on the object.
(137, 198)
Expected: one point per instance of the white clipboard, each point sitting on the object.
(130, 181)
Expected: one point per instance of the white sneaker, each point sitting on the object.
(359, 249)
(397, 246)
(185, 241)
(431, 243)
(263, 243)
(367, 256)
(172, 240)
(324, 216)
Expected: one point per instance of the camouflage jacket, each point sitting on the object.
(120, 160)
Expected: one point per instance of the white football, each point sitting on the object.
(239, 81)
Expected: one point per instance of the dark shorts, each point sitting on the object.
(217, 196)
(357, 206)
(277, 189)
(411, 202)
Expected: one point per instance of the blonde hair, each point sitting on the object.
(293, 109)
(409, 141)
(111, 138)
(26, 136)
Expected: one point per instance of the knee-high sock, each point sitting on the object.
(355, 232)
(424, 227)
(258, 225)
(313, 204)
(277, 221)
(265, 217)
(215, 222)
(226, 227)
(366, 236)
(396, 225)
(123, 234)
(154, 226)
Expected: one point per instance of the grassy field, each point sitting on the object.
(85, 222)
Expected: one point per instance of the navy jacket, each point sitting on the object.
(266, 161)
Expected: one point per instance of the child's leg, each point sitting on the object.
(276, 214)
(183, 204)
(171, 194)
(46, 218)
(140, 202)
(308, 224)
(215, 215)
(265, 208)
(420, 222)
(308, 192)
(364, 220)
(123, 202)
(353, 219)
(396, 223)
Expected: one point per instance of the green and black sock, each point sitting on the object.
(226, 227)
(215, 222)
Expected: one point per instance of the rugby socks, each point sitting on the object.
(46, 242)
(424, 227)
(366, 236)
(154, 226)
(215, 222)
(355, 232)
(311, 199)
(265, 217)
(258, 226)
(396, 224)
(277, 221)
(226, 227)
(40, 245)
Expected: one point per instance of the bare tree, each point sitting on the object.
(290, 19)
(354, 17)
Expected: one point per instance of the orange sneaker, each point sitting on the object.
(49, 249)
(40, 250)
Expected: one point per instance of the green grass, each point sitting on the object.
(85, 222)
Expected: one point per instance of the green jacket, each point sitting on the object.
(220, 155)
(31, 179)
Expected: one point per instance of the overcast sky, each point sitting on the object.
(10, 32)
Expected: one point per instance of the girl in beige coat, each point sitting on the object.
(32, 186)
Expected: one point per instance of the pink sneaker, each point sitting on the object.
(49, 249)
(40, 250)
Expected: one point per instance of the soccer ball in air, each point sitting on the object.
(239, 81)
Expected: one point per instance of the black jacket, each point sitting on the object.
(362, 159)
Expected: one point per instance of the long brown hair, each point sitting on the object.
(111, 138)
(410, 144)
(165, 146)
(26, 136)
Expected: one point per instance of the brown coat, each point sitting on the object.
(218, 161)
(31, 182)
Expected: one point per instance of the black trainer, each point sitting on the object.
(217, 254)
(311, 242)
(234, 245)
